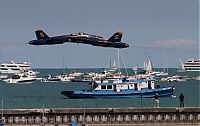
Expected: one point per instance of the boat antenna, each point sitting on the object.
(123, 63)
(165, 63)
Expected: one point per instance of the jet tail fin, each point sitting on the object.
(116, 37)
(40, 34)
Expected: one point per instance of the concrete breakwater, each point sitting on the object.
(102, 116)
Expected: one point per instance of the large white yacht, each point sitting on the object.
(14, 68)
(190, 65)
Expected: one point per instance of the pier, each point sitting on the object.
(103, 116)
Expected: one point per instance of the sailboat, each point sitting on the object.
(181, 67)
(145, 65)
(112, 68)
(149, 68)
(148, 65)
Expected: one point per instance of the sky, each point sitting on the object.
(167, 29)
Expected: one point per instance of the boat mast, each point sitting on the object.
(166, 66)
(110, 64)
(118, 60)
(114, 65)
(63, 63)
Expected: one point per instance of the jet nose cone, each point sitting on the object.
(126, 45)
(31, 42)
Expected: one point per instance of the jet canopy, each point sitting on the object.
(85, 34)
(79, 34)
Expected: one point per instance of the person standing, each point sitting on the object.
(156, 101)
(181, 99)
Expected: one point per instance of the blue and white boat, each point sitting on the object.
(123, 88)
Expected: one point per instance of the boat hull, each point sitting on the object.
(145, 93)
(27, 81)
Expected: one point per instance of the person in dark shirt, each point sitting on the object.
(181, 99)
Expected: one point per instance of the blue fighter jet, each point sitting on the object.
(114, 41)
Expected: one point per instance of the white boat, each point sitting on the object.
(115, 76)
(181, 67)
(76, 74)
(21, 78)
(93, 76)
(83, 79)
(162, 73)
(65, 77)
(190, 65)
(14, 68)
(3, 76)
(149, 69)
(103, 74)
(175, 78)
(30, 73)
(51, 78)
(197, 78)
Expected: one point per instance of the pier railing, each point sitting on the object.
(100, 116)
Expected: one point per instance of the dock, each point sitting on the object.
(102, 116)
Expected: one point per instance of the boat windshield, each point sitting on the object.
(15, 77)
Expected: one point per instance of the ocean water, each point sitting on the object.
(37, 94)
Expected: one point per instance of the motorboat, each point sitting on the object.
(51, 78)
(20, 78)
(197, 78)
(83, 79)
(75, 74)
(122, 89)
(174, 78)
(65, 77)
(30, 73)
(3, 76)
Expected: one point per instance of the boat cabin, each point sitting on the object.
(131, 85)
